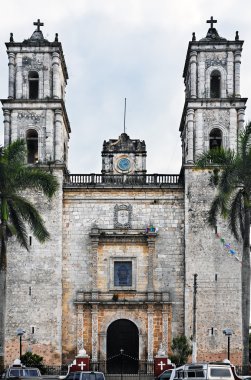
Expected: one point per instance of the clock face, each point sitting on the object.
(124, 164)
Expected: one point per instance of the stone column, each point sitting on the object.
(94, 252)
(11, 75)
(150, 333)
(19, 79)
(58, 135)
(151, 249)
(165, 328)
(237, 73)
(56, 93)
(94, 313)
(80, 328)
(241, 119)
(7, 131)
(230, 73)
(190, 125)
(201, 75)
(193, 71)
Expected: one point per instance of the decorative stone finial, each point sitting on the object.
(11, 37)
(194, 37)
(56, 37)
(236, 35)
(82, 353)
(161, 351)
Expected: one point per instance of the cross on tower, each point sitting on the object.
(38, 24)
(211, 21)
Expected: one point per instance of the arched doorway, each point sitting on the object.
(122, 335)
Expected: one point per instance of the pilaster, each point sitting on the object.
(56, 92)
(150, 333)
(7, 126)
(190, 128)
(165, 327)
(237, 73)
(193, 63)
(58, 135)
(11, 65)
(94, 314)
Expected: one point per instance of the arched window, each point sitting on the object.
(32, 146)
(215, 80)
(215, 139)
(33, 85)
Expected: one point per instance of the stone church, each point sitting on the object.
(119, 271)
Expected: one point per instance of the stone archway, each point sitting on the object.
(122, 334)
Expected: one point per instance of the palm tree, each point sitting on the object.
(16, 212)
(232, 178)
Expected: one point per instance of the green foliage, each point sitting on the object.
(181, 348)
(15, 210)
(33, 360)
(231, 174)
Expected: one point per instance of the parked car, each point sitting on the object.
(85, 375)
(21, 372)
(204, 371)
(168, 374)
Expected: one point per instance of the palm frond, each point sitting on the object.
(30, 215)
(235, 217)
(15, 153)
(19, 229)
(220, 157)
(37, 179)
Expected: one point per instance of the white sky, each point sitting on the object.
(125, 48)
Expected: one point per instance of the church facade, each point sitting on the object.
(130, 252)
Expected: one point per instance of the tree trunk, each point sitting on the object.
(3, 267)
(245, 280)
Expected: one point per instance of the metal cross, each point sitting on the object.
(38, 24)
(82, 365)
(162, 365)
(211, 21)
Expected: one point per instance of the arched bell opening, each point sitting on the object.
(215, 84)
(33, 84)
(32, 146)
(215, 138)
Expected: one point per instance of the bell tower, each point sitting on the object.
(213, 116)
(35, 108)
(213, 113)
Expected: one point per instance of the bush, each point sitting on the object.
(181, 349)
(33, 360)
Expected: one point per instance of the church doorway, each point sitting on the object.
(122, 347)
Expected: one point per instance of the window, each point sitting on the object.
(32, 146)
(215, 80)
(215, 138)
(220, 372)
(33, 85)
(122, 273)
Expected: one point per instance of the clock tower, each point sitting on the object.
(124, 156)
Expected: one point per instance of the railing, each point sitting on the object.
(139, 369)
(122, 179)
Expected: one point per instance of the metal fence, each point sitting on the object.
(138, 370)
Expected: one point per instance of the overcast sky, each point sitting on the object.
(134, 49)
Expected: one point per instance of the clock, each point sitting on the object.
(124, 164)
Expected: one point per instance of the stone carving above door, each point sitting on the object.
(122, 216)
